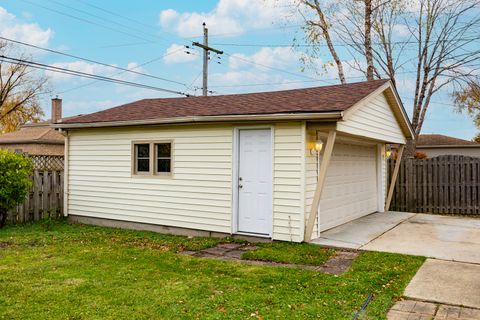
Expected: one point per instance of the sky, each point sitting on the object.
(151, 37)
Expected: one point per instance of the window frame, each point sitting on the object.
(156, 157)
(135, 159)
(153, 159)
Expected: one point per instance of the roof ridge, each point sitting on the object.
(43, 134)
(267, 92)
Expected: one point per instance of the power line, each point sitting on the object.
(243, 32)
(273, 68)
(345, 44)
(119, 73)
(91, 61)
(298, 81)
(104, 19)
(84, 20)
(116, 14)
(46, 67)
(262, 84)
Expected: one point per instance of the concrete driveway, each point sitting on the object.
(433, 236)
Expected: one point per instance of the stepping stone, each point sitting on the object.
(216, 251)
(339, 262)
(237, 254)
(187, 252)
(248, 248)
(229, 246)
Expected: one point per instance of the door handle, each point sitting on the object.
(240, 186)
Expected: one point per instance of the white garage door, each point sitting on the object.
(350, 189)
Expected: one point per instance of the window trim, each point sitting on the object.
(153, 159)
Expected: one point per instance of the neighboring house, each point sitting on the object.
(235, 164)
(438, 145)
(38, 139)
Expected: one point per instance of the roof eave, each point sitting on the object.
(31, 142)
(335, 115)
(433, 146)
(402, 109)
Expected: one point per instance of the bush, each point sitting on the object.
(15, 171)
(420, 155)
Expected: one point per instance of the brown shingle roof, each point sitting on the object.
(309, 100)
(35, 133)
(441, 140)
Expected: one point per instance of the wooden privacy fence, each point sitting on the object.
(45, 198)
(444, 184)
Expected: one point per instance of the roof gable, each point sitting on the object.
(382, 109)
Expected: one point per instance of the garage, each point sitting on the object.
(350, 190)
(283, 165)
(346, 176)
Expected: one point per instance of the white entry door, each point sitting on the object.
(255, 181)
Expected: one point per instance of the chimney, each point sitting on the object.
(56, 109)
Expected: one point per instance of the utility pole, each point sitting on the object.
(206, 53)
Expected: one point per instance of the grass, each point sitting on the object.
(284, 252)
(61, 271)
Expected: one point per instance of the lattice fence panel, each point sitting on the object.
(54, 163)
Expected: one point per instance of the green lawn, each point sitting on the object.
(61, 271)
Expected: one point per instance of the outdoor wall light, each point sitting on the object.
(316, 147)
(388, 152)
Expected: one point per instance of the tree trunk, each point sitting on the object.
(410, 148)
(3, 217)
(323, 24)
(368, 39)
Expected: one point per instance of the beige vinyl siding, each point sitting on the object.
(197, 196)
(375, 119)
(288, 180)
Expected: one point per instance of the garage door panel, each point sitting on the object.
(350, 189)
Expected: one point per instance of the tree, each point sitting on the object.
(20, 88)
(440, 32)
(318, 28)
(468, 100)
(15, 171)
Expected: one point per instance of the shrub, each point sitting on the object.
(420, 155)
(15, 171)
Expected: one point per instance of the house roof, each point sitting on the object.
(440, 140)
(34, 133)
(334, 98)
